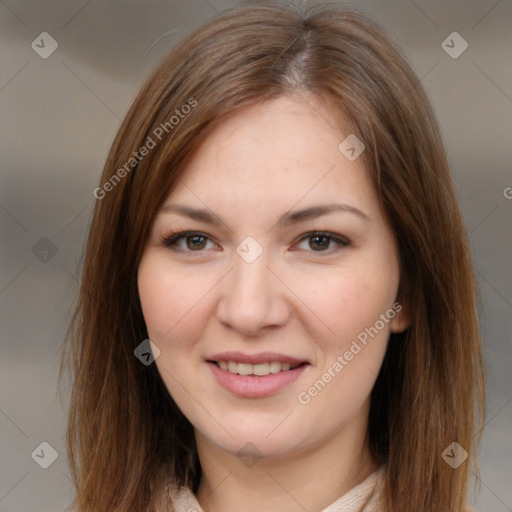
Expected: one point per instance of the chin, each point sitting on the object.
(259, 441)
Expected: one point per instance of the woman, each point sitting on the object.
(277, 216)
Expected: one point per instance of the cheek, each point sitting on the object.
(172, 301)
(350, 358)
(349, 301)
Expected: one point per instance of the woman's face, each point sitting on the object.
(269, 283)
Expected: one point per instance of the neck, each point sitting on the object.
(309, 479)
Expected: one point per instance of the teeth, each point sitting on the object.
(275, 367)
(260, 369)
(243, 369)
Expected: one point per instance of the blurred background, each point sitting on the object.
(70, 69)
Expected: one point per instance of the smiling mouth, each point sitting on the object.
(257, 370)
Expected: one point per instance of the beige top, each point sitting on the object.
(362, 498)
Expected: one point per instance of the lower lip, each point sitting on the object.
(250, 386)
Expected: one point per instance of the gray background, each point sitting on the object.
(58, 119)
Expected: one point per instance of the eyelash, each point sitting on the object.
(172, 240)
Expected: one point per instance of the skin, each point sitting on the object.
(255, 166)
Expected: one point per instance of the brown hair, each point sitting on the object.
(126, 437)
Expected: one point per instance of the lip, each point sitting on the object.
(260, 357)
(251, 386)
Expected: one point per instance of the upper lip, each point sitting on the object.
(261, 357)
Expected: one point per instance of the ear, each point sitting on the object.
(402, 319)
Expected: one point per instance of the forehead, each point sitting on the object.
(276, 151)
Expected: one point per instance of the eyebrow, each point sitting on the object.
(199, 214)
(287, 219)
(313, 212)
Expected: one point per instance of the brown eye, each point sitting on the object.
(319, 242)
(189, 241)
(196, 242)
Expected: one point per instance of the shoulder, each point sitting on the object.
(183, 500)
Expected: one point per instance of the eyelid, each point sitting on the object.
(171, 240)
(341, 241)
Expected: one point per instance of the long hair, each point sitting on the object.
(126, 437)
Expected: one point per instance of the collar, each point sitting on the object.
(364, 497)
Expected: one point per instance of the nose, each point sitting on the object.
(252, 298)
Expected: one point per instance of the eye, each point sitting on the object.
(321, 242)
(189, 241)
